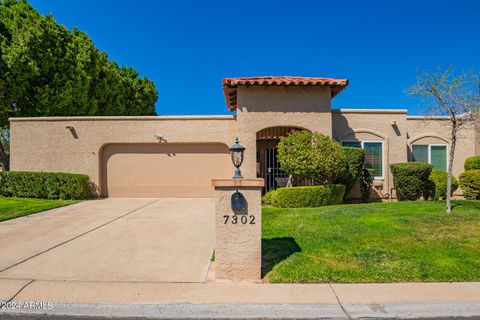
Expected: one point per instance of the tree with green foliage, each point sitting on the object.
(456, 96)
(48, 70)
(313, 156)
(354, 159)
(4, 148)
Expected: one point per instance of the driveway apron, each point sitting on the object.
(115, 239)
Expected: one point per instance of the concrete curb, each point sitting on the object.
(256, 311)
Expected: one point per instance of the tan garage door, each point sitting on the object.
(163, 169)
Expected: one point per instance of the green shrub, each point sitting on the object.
(470, 184)
(270, 197)
(311, 155)
(366, 183)
(309, 197)
(437, 185)
(410, 179)
(44, 185)
(472, 163)
(354, 158)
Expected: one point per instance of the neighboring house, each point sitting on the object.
(177, 156)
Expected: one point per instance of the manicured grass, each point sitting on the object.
(381, 242)
(11, 208)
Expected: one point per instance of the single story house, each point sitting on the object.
(177, 156)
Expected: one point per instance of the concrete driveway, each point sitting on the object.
(151, 240)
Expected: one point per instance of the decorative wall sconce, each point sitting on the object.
(236, 152)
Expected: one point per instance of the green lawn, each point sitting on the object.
(11, 208)
(381, 242)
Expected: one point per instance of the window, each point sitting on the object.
(354, 144)
(373, 154)
(435, 154)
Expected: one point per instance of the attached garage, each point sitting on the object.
(163, 169)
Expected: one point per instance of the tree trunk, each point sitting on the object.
(4, 158)
(450, 165)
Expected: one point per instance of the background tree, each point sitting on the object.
(48, 70)
(313, 156)
(4, 148)
(453, 95)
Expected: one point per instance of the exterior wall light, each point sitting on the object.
(159, 138)
(236, 152)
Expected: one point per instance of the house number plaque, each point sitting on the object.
(239, 219)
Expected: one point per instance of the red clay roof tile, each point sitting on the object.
(230, 85)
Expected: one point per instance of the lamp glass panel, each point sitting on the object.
(237, 158)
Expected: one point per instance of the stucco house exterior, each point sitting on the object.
(177, 156)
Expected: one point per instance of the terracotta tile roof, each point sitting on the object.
(230, 85)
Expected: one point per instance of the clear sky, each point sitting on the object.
(188, 47)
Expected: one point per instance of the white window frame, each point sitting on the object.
(362, 143)
(429, 153)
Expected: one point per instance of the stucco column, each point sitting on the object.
(238, 234)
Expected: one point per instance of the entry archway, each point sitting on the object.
(268, 166)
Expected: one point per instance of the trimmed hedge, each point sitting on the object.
(269, 198)
(437, 185)
(354, 163)
(472, 163)
(309, 197)
(44, 185)
(410, 179)
(470, 184)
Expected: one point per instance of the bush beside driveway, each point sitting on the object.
(11, 208)
(382, 242)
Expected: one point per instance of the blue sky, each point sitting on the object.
(188, 47)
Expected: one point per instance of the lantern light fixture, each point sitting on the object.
(236, 152)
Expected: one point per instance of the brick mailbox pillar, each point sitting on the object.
(238, 233)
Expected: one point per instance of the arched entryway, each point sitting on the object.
(268, 167)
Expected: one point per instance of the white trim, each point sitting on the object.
(429, 151)
(362, 144)
(379, 111)
(428, 118)
(125, 118)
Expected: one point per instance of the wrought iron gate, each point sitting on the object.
(274, 176)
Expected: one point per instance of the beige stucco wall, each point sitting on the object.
(437, 130)
(238, 246)
(45, 144)
(375, 125)
(263, 107)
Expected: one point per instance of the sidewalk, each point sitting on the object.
(242, 300)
